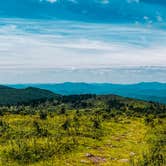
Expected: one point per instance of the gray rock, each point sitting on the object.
(124, 160)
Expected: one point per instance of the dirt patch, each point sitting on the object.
(95, 159)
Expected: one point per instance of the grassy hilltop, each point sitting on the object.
(83, 130)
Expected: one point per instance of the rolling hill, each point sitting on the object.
(152, 91)
(80, 130)
(12, 96)
(36, 96)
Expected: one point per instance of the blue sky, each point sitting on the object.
(119, 41)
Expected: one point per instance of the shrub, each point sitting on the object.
(39, 130)
(43, 115)
(66, 124)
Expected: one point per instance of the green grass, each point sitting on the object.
(78, 139)
(82, 130)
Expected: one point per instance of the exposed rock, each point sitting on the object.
(109, 145)
(118, 139)
(84, 161)
(89, 155)
(124, 160)
(112, 158)
(95, 159)
(132, 154)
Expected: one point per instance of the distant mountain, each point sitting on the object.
(12, 96)
(152, 91)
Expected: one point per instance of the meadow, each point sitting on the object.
(78, 131)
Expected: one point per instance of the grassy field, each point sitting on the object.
(81, 137)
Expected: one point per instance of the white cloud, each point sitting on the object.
(131, 1)
(55, 45)
(71, 45)
(50, 1)
(45, 51)
(105, 1)
(159, 18)
(73, 1)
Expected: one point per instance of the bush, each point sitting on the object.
(66, 124)
(43, 115)
(39, 130)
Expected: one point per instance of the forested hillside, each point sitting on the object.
(12, 96)
(152, 91)
(80, 130)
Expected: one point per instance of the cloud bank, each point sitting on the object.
(66, 44)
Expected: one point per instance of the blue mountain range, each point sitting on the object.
(152, 91)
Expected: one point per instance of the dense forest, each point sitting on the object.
(80, 130)
(13, 96)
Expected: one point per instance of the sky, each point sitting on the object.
(49, 41)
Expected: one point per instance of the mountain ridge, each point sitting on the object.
(149, 91)
(13, 96)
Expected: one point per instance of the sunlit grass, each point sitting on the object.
(72, 139)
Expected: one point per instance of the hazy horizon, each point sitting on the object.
(97, 83)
